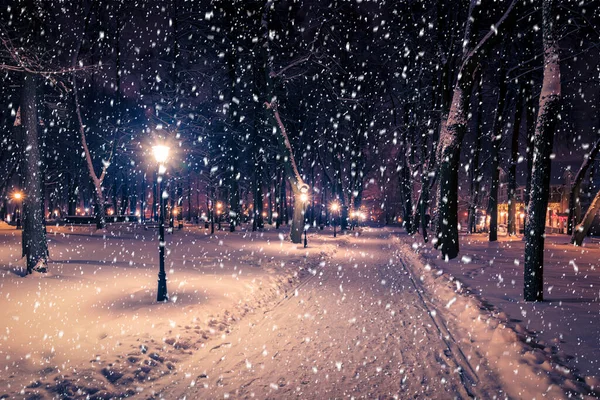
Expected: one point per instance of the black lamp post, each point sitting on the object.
(161, 153)
(304, 198)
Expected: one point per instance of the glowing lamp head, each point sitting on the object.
(161, 153)
(304, 197)
(18, 196)
(335, 206)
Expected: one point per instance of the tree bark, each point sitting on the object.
(283, 143)
(406, 185)
(476, 169)
(292, 175)
(574, 202)
(35, 246)
(543, 140)
(492, 209)
(451, 137)
(512, 170)
(581, 230)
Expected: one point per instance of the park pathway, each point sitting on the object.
(358, 327)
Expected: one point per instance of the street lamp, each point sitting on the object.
(160, 154)
(18, 196)
(304, 199)
(334, 209)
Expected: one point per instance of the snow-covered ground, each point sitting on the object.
(252, 315)
(95, 312)
(558, 339)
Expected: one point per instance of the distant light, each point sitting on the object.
(17, 195)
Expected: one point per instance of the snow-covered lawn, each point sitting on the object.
(96, 309)
(369, 314)
(564, 327)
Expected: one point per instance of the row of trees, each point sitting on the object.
(339, 98)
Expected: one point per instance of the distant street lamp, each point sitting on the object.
(334, 210)
(18, 196)
(161, 153)
(304, 199)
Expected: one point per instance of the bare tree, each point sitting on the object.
(542, 147)
(283, 142)
(453, 132)
(574, 202)
(35, 246)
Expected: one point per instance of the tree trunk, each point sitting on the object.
(531, 121)
(189, 197)
(581, 230)
(476, 169)
(72, 193)
(549, 108)
(283, 143)
(35, 246)
(292, 175)
(406, 184)
(574, 202)
(452, 134)
(512, 170)
(143, 199)
(492, 209)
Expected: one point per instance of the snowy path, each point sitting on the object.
(358, 328)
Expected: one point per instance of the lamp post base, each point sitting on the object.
(162, 295)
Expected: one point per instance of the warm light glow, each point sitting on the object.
(335, 206)
(522, 215)
(161, 153)
(18, 195)
(304, 197)
(175, 212)
(110, 212)
(264, 214)
(219, 204)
